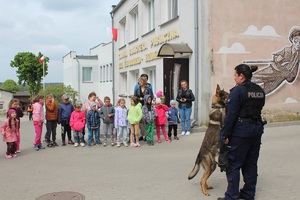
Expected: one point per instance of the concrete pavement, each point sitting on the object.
(158, 172)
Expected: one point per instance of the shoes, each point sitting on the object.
(168, 141)
(176, 138)
(152, 143)
(76, 145)
(8, 156)
(118, 144)
(220, 198)
(138, 144)
(241, 196)
(159, 141)
(48, 141)
(133, 144)
(112, 144)
(55, 144)
(169, 138)
(182, 133)
(41, 147)
(89, 145)
(36, 147)
(104, 144)
(82, 144)
(188, 133)
(70, 142)
(18, 151)
(63, 143)
(125, 144)
(14, 155)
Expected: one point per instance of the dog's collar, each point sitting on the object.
(217, 106)
(214, 122)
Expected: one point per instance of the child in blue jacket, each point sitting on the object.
(173, 120)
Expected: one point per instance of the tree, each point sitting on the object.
(58, 90)
(30, 70)
(10, 85)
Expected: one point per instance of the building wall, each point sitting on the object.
(251, 32)
(101, 82)
(5, 98)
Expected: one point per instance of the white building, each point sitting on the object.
(169, 28)
(87, 73)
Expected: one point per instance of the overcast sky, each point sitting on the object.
(52, 27)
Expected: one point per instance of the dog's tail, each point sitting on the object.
(196, 168)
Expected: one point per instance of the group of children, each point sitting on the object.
(78, 116)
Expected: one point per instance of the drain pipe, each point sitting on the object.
(78, 78)
(113, 55)
(196, 37)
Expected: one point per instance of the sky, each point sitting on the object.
(52, 27)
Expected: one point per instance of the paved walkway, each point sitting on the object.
(158, 172)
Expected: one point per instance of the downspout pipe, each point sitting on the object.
(78, 77)
(113, 54)
(196, 38)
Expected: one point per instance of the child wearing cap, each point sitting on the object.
(161, 119)
(64, 113)
(173, 120)
(77, 123)
(93, 124)
(10, 130)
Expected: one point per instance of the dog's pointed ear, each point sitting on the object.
(218, 90)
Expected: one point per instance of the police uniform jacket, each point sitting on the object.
(243, 111)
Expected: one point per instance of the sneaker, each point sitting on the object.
(63, 144)
(41, 147)
(168, 141)
(55, 144)
(182, 133)
(14, 155)
(18, 151)
(104, 144)
(125, 144)
(187, 133)
(36, 147)
(8, 156)
(82, 144)
(118, 144)
(133, 144)
(159, 141)
(138, 144)
(112, 144)
(70, 142)
(89, 145)
(169, 138)
(176, 138)
(76, 144)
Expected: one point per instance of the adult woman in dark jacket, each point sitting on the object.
(185, 97)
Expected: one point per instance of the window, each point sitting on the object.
(172, 9)
(135, 23)
(123, 83)
(87, 74)
(1, 106)
(111, 72)
(148, 22)
(101, 74)
(107, 73)
(122, 32)
(152, 79)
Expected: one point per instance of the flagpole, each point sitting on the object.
(44, 76)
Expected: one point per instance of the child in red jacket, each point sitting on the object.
(161, 119)
(77, 123)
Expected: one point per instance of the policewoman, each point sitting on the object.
(242, 132)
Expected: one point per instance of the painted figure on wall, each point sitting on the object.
(283, 68)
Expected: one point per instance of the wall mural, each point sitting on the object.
(283, 68)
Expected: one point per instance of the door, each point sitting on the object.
(175, 70)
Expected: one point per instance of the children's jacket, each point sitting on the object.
(135, 114)
(120, 117)
(104, 111)
(64, 112)
(93, 119)
(51, 110)
(9, 134)
(87, 106)
(173, 116)
(38, 112)
(77, 120)
(149, 116)
(161, 114)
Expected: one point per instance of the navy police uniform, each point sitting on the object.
(243, 127)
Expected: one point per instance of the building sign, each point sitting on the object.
(133, 61)
(138, 48)
(152, 56)
(163, 38)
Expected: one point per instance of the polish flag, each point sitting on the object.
(41, 60)
(115, 33)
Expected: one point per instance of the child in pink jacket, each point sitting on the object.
(10, 130)
(38, 120)
(161, 119)
(77, 123)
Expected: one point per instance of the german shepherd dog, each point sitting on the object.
(211, 143)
